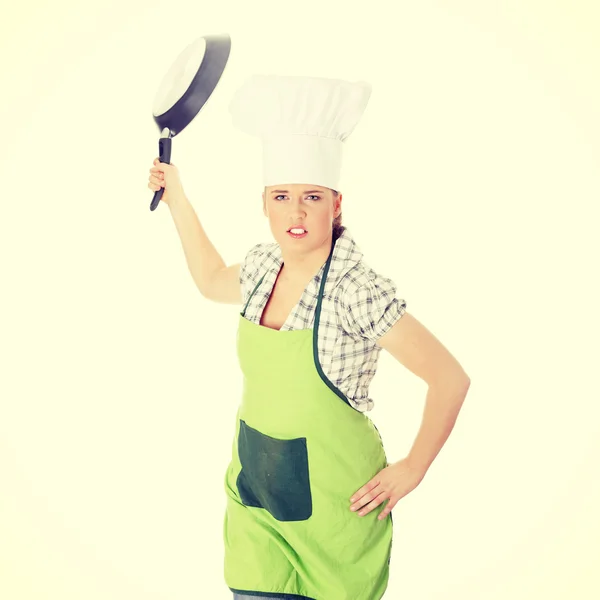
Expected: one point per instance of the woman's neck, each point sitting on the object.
(300, 268)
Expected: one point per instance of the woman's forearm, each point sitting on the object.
(442, 405)
(202, 257)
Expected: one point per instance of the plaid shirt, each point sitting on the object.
(358, 307)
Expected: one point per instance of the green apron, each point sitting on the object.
(300, 451)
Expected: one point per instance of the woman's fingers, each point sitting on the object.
(156, 181)
(162, 174)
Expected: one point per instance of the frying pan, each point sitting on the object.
(185, 89)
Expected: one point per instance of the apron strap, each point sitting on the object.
(243, 313)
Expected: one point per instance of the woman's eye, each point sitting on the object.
(310, 196)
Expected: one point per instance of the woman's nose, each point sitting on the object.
(297, 208)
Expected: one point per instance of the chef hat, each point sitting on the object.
(302, 122)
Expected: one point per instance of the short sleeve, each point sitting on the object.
(250, 269)
(372, 307)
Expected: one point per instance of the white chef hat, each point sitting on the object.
(303, 123)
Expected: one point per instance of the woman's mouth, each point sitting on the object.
(297, 232)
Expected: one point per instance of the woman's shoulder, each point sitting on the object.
(369, 303)
(260, 249)
(361, 279)
(259, 258)
(367, 299)
(349, 268)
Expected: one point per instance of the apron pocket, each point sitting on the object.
(274, 474)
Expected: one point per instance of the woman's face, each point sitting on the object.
(298, 205)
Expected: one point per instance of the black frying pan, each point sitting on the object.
(185, 90)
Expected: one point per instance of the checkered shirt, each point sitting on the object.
(358, 307)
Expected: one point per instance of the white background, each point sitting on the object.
(472, 180)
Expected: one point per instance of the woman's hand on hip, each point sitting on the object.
(391, 483)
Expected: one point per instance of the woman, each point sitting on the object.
(308, 467)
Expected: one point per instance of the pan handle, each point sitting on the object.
(164, 155)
